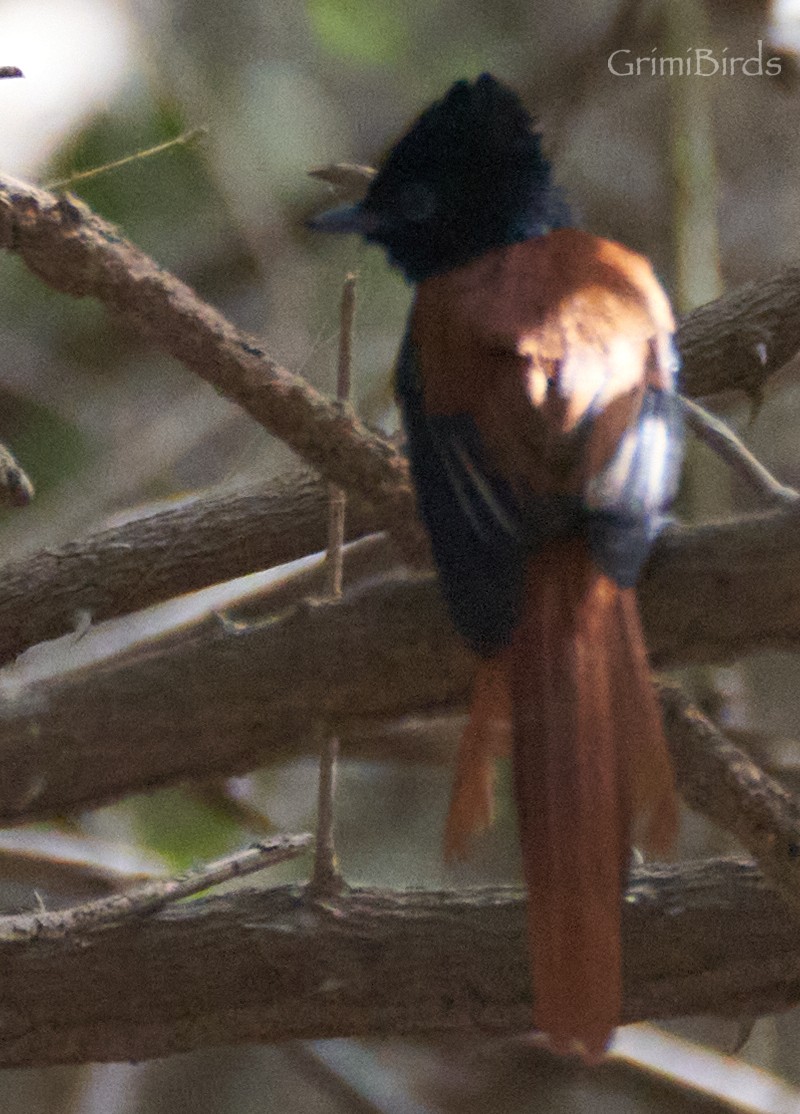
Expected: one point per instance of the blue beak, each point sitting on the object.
(344, 218)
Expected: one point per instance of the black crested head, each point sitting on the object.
(468, 176)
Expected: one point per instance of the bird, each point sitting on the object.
(537, 384)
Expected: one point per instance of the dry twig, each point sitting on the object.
(721, 438)
(148, 897)
(326, 879)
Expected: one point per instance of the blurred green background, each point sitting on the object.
(106, 426)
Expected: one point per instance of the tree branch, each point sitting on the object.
(226, 700)
(720, 781)
(219, 536)
(715, 592)
(150, 896)
(272, 966)
(153, 558)
(737, 342)
(724, 442)
(73, 250)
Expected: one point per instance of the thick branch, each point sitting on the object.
(271, 966)
(201, 542)
(225, 699)
(73, 250)
(739, 341)
(715, 592)
(748, 563)
(736, 342)
(719, 780)
(228, 699)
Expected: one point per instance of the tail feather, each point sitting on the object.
(587, 737)
(486, 737)
(646, 757)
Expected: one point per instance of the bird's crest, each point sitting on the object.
(468, 176)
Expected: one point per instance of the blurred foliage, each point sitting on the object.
(362, 30)
(182, 830)
(37, 433)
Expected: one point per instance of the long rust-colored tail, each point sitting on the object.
(590, 762)
(589, 758)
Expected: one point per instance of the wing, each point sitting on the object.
(470, 514)
(537, 385)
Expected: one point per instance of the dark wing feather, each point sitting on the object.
(481, 535)
(470, 515)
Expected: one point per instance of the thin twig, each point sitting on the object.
(346, 326)
(326, 878)
(369, 557)
(182, 140)
(149, 897)
(721, 438)
(337, 495)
